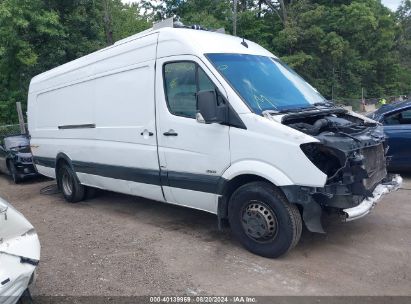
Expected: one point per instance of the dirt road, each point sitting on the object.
(123, 245)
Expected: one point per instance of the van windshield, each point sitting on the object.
(265, 83)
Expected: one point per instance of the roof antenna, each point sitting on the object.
(244, 43)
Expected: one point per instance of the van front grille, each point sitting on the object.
(374, 164)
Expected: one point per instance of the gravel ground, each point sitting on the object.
(123, 245)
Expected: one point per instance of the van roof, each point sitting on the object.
(171, 41)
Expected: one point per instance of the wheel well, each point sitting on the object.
(59, 162)
(233, 185)
(64, 159)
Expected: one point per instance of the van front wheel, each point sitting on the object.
(263, 220)
(69, 185)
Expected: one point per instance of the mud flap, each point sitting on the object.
(222, 214)
(311, 210)
(312, 217)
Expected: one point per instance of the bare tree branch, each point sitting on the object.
(279, 7)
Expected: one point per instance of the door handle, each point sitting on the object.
(170, 133)
(149, 133)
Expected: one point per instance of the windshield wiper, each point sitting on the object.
(314, 106)
(324, 104)
(297, 110)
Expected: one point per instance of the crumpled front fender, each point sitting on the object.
(312, 211)
(19, 253)
(17, 235)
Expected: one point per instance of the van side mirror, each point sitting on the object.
(208, 108)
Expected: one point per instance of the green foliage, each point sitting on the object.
(339, 46)
(342, 48)
(24, 28)
(404, 42)
(37, 35)
(127, 20)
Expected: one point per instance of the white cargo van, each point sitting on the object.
(207, 121)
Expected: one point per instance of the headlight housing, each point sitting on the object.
(328, 160)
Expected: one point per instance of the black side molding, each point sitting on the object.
(183, 180)
(84, 126)
(45, 161)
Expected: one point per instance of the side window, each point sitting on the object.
(182, 81)
(406, 117)
(399, 118)
(204, 83)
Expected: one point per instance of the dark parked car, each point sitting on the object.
(396, 118)
(16, 158)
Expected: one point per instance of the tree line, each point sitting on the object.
(340, 46)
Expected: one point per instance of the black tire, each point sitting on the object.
(26, 298)
(91, 193)
(263, 220)
(69, 185)
(13, 173)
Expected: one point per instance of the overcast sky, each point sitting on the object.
(392, 4)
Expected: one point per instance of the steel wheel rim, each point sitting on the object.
(67, 183)
(259, 221)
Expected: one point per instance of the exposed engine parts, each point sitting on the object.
(331, 123)
(350, 151)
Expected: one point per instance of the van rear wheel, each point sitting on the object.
(263, 220)
(69, 185)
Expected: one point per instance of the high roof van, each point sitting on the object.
(208, 121)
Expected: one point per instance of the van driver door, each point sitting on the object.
(193, 155)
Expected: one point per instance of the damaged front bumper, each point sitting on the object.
(313, 208)
(351, 151)
(351, 214)
(24, 170)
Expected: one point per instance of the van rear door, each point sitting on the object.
(192, 155)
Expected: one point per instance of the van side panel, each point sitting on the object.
(71, 105)
(105, 123)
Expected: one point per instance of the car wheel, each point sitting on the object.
(263, 220)
(69, 185)
(13, 172)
